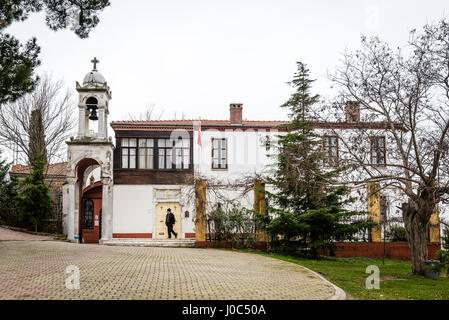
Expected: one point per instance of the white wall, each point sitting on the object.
(134, 208)
(247, 154)
(188, 204)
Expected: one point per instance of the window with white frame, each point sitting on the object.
(378, 151)
(146, 154)
(219, 154)
(331, 151)
(182, 153)
(165, 153)
(129, 152)
(173, 154)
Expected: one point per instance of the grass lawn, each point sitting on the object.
(396, 279)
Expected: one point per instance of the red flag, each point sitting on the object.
(199, 134)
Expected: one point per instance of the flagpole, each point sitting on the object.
(200, 146)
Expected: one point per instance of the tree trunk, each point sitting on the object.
(416, 236)
(37, 144)
(418, 247)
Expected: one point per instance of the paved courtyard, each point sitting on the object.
(37, 270)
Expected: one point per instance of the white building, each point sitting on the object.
(122, 190)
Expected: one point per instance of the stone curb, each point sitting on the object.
(339, 293)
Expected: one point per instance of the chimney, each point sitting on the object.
(352, 111)
(236, 113)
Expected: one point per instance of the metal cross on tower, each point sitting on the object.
(95, 61)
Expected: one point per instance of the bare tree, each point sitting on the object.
(179, 116)
(150, 113)
(48, 111)
(445, 223)
(405, 93)
(218, 190)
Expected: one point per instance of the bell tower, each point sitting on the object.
(90, 153)
(94, 96)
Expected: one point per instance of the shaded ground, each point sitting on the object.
(37, 270)
(7, 234)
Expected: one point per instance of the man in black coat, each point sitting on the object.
(169, 222)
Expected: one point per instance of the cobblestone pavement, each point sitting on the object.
(37, 270)
(7, 234)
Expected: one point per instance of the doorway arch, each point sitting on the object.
(90, 202)
(90, 213)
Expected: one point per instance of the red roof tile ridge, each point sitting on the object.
(166, 120)
(189, 120)
(53, 168)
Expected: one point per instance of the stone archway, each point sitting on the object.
(90, 202)
(83, 159)
(90, 214)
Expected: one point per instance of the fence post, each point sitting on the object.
(200, 210)
(373, 195)
(259, 207)
(434, 226)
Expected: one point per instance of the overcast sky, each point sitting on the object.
(197, 56)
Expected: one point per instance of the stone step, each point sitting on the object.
(150, 242)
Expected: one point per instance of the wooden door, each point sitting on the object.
(161, 212)
(91, 222)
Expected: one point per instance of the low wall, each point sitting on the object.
(260, 245)
(393, 250)
(52, 227)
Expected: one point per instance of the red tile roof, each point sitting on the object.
(56, 169)
(204, 122)
(157, 124)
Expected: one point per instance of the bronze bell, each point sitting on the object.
(93, 114)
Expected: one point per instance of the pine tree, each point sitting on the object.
(299, 151)
(308, 204)
(35, 201)
(18, 61)
(9, 189)
(445, 238)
